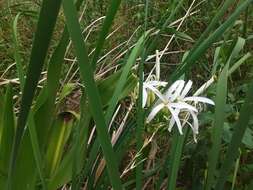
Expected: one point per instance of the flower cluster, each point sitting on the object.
(176, 100)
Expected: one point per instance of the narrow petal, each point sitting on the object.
(172, 120)
(157, 92)
(144, 97)
(173, 87)
(193, 131)
(178, 90)
(171, 124)
(154, 111)
(183, 105)
(199, 99)
(204, 87)
(176, 118)
(195, 122)
(186, 89)
(157, 65)
(155, 83)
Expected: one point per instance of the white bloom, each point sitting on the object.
(168, 101)
(151, 86)
(152, 83)
(176, 101)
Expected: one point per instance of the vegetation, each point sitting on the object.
(126, 94)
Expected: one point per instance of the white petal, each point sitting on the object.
(157, 92)
(144, 97)
(154, 111)
(199, 99)
(173, 87)
(183, 105)
(195, 122)
(155, 83)
(178, 91)
(172, 120)
(157, 65)
(176, 118)
(187, 88)
(171, 124)
(204, 87)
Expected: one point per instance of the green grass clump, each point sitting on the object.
(74, 77)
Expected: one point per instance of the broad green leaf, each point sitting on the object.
(64, 172)
(59, 134)
(216, 136)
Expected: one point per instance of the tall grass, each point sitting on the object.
(47, 148)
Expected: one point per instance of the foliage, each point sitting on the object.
(106, 141)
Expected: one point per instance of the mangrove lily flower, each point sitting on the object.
(151, 86)
(152, 83)
(176, 101)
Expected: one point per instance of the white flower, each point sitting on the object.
(167, 101)
(176, 101)
(152, 83)
(151, 86)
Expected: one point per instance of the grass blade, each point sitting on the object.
(45, 103)
(237, 64)
(176, 153)
(220, 102)
(123, 78)
(36, 150)
(205, 44)
(8, 131)
(214, 21)
(114, 6)
(140, 110)
(42, 39)
(17, 56)
(92, 92)
(239, 130)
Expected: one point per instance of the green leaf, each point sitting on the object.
(7, 134)
(113, 7)
(175, 157)
(236, 141)
(179, 34)
(237, 64)
(236, 50)
(36, 149)
(87, 77)
(205, 42)
(219, 118)
(47, 19)
(17, 56)
(59, 135)
(107, 87)
(66, 90)
(123, 80)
